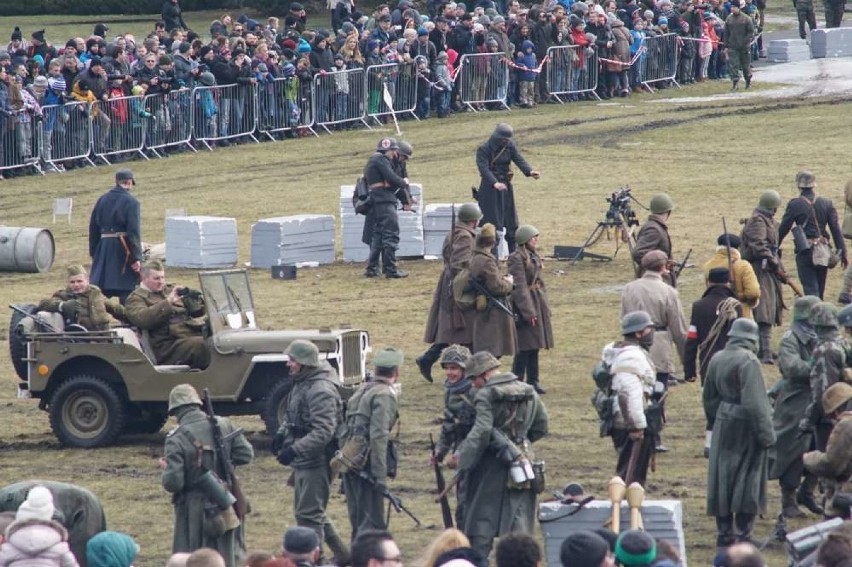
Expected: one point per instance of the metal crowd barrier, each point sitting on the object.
(483, 79)
(65, 134)
(401, 82)
(661, 58)
(572, 70)
(339, 98)
(222, 113)
(170, 123)
(115, 129)
(284, 105)
(19, 141)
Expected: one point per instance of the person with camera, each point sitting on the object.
(305, 441)
(174, 316)
(811, 219)
(82, 303)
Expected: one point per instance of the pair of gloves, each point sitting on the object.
(284, 455)
(70, 309)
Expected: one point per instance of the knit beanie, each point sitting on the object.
(37, 506)
(635, 548)
(583, 549)
(111, 549)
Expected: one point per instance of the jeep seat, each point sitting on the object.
(130, 337)
(29, 325)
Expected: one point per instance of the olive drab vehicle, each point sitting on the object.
(98, 385)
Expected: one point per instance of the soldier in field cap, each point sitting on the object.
(302, 546)
(82, 303)
(371, 414)
(115, 243)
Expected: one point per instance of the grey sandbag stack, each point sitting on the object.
(834, 42)
(201, 242)
(352, 226)
(437, 219)
(788, 50)
(292, 240)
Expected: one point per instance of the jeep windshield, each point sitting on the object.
(227, 295)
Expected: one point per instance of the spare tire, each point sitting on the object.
(18, 342)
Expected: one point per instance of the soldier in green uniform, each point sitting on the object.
(200, 520)
(82, 303)
(832, 355)
(793, 393)
(173, 315)
(735, 402)
(654, 234)
(834, 465)
(305, 441)
(371, 414)
(739, 33)
(498, 503)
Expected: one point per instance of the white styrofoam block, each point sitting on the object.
(201, 241)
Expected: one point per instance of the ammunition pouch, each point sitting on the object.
(352, 457)
(654, 417)
(217, 522)
(605, 407)
(481, 302)
(539, 482)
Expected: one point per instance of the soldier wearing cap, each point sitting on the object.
(371, 413)
(654, 234)
(82, 303)
(115, 244)
(792, 395)
(737, 408)
(633, 379)
(759, 247)
(833, 466)
(304, 440)
(174, 317)
(744, 282)
(817, 218)
(496, 194)
(381, 227)
(189, 454)
(302, 547)
(497, 504)
(529, 298)
(448, 323)
(493, 326)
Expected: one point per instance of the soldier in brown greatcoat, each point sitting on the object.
(173, 317)
(493, 327)
(447, 323)
(534, 329)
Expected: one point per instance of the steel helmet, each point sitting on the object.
(386, 144)
(803, 306)
(304, 352)
(635, 321)
(835, 396)
(844, 316)
(469, 212)
(744, 329)
(661, 203)
(405, 148)
(824, 315)
(183, 395)
(480, 363)
(455, 354)
(770, 199)
(525, 233)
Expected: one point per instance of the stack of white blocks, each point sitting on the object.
(833, 42)
(201, 242)
(292, 240)
(788, 50)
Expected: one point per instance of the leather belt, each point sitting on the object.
(382, 185)
(113, 234)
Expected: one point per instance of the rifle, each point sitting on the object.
(785, 279)
(393, 499)
(728, 252)
(38, 320)
(446, 513)
(241, 506)
(678, 268)
(493, 300)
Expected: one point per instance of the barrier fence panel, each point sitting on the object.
(572, 70)
(116, 127)
(401, 82)
(339, 98)
(65, 134)
(168, 120)
(484, 79)
(19, 141)
(284, 105)
(222, 113)
(661, 57)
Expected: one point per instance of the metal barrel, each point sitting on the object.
(25, 249)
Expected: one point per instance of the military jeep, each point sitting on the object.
(98, 385)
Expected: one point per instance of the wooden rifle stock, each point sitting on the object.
(446, 513)
(241, 506)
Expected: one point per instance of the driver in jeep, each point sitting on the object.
(82, 303)
(174, 317)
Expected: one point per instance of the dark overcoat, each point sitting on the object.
(530, 300)
(116, 211)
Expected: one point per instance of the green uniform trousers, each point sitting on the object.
(365, 504)
(739, 62)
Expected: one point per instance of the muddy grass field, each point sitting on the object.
(713, 158)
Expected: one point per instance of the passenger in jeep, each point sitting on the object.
(83, 304)
(174, 317)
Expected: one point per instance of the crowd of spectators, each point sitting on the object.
(36, 72)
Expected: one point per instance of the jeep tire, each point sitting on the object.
(86, 412)
(17, 342)
(276, 405)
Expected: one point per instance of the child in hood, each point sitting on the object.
(34, 539)
(526, 62)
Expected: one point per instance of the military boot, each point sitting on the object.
(745, 527)
(748, 82)
(725, 531)
(372, 270)
(427, 360)
(764, 352)
(788, 504)
(389, 264)
(735, 84)
(341, 556)
(805, 495)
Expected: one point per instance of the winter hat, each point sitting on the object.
(635, 548)
(649, 14)
(289, 70)
(491, 42)
(238, 51)
(611, 19)
(39, 59)
(40, 81)
(422, 31)
(184, 47)
(663, 21)
(262, 68)
(583, 549)
(56, 83)
(339, 57)
(38, 35)
(100, 30)
(498, 20)
(95, 62)
(443, 57)
(599, 10)
(207, 79)
(372, 44)
(484, 20)
(111, 549)
(137, 90)
(303, 48)
(573, 20)
(719, 276)
(37, 506)
(202, 53)
(16, 34)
